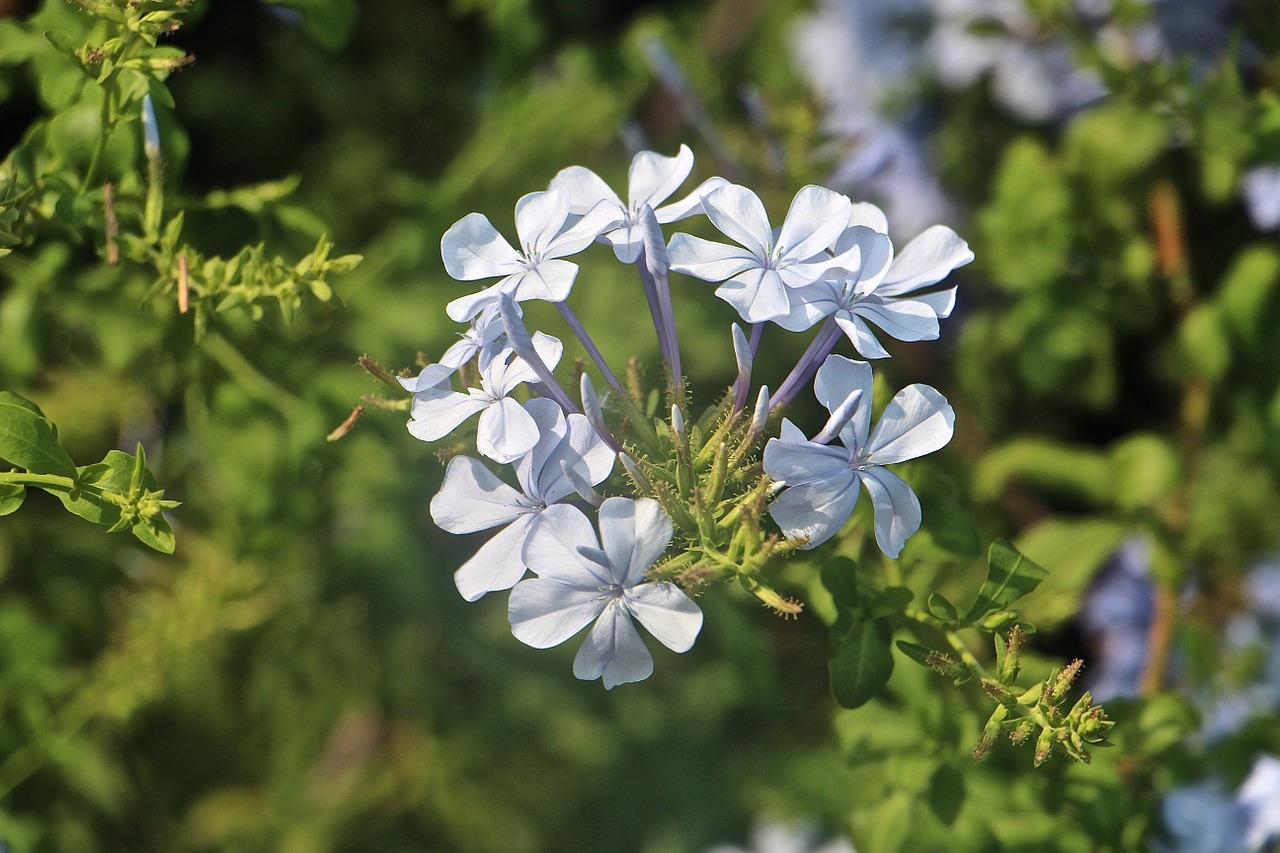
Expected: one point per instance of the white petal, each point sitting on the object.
(539, 218)
(691, 204)
(584, 189)
(605, 216)
(758, 294)
(860, 335)
(653, 178)
(551, 551)
(942, 301)
(627, 242)
(613, 651)
(434, 380)
(809, 304)
(926, 260)
(544, 613)
(667, 613)
(707, 260)
(497, 565)
(583, 452)
(918, 420)
(740, 216)
(550, 281)
(634, 533)
(472, 248)
(869, 215)
(473, 498)
(506, 431)
(904, 319)
(816, 218)
(897, 509)
(817, 509)
(433, 419)
(875, 251)
(837, 378)
(742, 353)
(464, 308)
(793, 462)
(532, 467)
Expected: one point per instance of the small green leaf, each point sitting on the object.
(890, 601)
(29, 441)
(839, 576)
(915, 651)
(1010, 576)
(946, 793)
(11, 497)
(942, 609)
(862, 663)
(155, 533)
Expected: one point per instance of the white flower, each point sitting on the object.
(884, 290)
(756, 277)
(472, 497)
(651, 181)
(506, 431)
(1261, 188)
(473, 249)
(581, 580)
(482, 339)
(823, 481)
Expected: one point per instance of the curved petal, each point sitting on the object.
(544, 613)
(739, 214)
(875, 251)
(691, 204)
(816, 510)
(918, 420)
(503, 375)
(795, 463)
(584, 189)
(809, 304)
(613, 651)
(667, 613)
(758, 294)
(860, 335)
(605, 216)
(627, 242)
(837, 378)
(816, 218)
(897, 509)
(506, 431)
(941, 301)
(551, 551)
(539, 218)
(708, 260)
(904, 319)
(472, 248)
(550, 281)
(532, 468)
(433, 380)
(653, 178)
(497, 565)
(464, 308)
(865, 213)
(926, 260)
(473, 498)
(634, 533)
(433, 419)
(582, 451)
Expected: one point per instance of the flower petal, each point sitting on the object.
(816, 510)
(708, 260)
(584, 189)
(613, 651)
(875, 251)
(904, 319)
(506, 431)
(668, 614)
(816, 218)
(544, 613)
(758, 294)
(434, 418)
(464, 308)
(472, 249)
(551, 551)
(809, 304)
(653, 178)
(837, 378)
(532, 467)
(897, 509)
(860, 335)
(583, 452)
(926, 260)
(918, 420)
(473, 498)
(550, 281)
(498, 564)
(634, 533)
(796, 462)
(691, 204)
(605, 216)
(865, 213)
(740, 216)
(540, 217)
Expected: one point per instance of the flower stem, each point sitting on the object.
(576, 326)
(807, 366)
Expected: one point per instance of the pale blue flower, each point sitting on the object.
(758, 273)
(473, 249)
(472, 498)
(506, 431)
(582, 580)
(823, 481)
(1261, 189)
(651, 181)
(482, 340)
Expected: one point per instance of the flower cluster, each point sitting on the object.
(696, 499)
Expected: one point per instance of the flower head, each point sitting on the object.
(582, 580)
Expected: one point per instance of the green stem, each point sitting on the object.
(56, 483)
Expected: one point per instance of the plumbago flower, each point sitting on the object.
(823, 481)
(582, 580)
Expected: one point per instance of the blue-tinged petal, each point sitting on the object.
(498, 564)
(758, 294)
(942, 301)
(473, 498)
(627, 242)
(433, 380)
(584, 189)
(464, 308)
(707, 260)
(897, 509)
(605, 216)
(433, 419)
(532, 468)
(552, 549)
(874, 250)
(582, 452)
(795, 462)
(550, 281)
(816, 510)
(739, 214)
(926, 260)
(613, 651)
(540, 217)
(918, 420)
(837, 378)
(904, 319)
(865, 213)
(809, 304)
(816, 218)
(634, 533)
(691, 204)
(653, 178)
(667, 613)
(507, 373)
(472, 248)
(544, 613)
(506, 431)
(860, 335)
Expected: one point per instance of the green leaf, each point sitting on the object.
(155, 533)
(890, 601)
(1076, 548)
(915, 651)
(330, 22)
(839, 576)
(946, 793)
(942, 609)
(1078, 473)
(29, 441)
(11, 497)
(1144, 469)
(1010, 576)
(862, 663)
